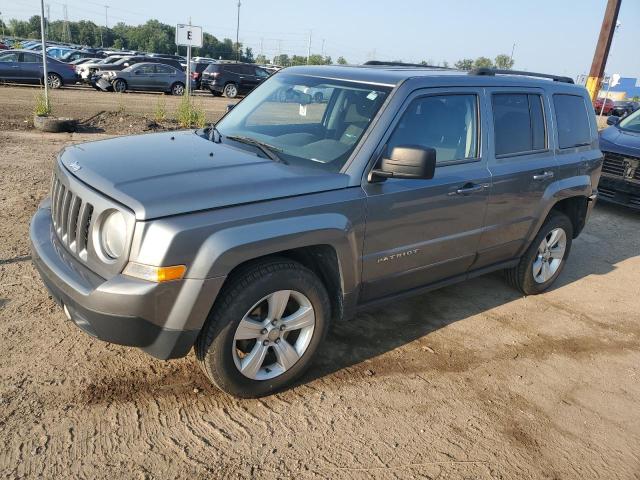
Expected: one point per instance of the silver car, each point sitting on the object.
(144, 76)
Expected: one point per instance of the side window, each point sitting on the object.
(447, 123)
(145, 69)
(518, 122)
(164, 68)
(572, 120)
(261, 73)
(30, 58)
(9, 57)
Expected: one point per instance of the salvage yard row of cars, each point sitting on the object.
(120, 71)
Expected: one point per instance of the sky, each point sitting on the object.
(552, 36)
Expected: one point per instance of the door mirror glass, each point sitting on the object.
(408, 161)
(612, 120)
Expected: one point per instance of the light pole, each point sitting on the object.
(44, 56)
(238, 35)
(513, 48)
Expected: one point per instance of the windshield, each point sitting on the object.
(631, 122)
(309, 121)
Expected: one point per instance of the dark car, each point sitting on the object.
(78, 54)
(24, 66)
(624, 107)
(247, 240)
(620, 143)
(196, 73)
(145, 76)
(608, 106)
(232, 79)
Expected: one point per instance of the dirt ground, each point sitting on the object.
(472, 381)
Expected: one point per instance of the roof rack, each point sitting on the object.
(495, 71)
(402, 64)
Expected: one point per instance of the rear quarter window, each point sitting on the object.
(572, 119)
(518, 123)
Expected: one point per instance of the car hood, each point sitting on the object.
(170, 173)
(625, 142)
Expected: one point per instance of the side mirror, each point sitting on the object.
(612, 119)
(408, 161)
(126, 64)
(230, 106)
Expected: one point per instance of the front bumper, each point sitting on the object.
(619, 191)
(163, 319)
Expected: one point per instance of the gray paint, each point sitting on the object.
(214, 212)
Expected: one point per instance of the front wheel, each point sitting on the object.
(54, 80)
(177, 89)
(119, 85)
(230, 90)
(546, 256)
(265, 328)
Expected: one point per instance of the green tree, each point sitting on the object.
(464, 64)
(261, 59)
(482, 62)
(504, 62)
(342, 60)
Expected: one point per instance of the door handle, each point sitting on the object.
(467, 189)
(543, 176)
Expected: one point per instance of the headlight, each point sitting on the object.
(113, 235)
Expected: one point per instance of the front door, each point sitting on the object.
(423, 231)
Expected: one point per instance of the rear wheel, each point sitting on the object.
(54, 80)
(177, 89)
(546, 256)
(230, 90)
(119, 85)
(264, 329)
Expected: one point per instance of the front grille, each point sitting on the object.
(615, 165)
(71, 218)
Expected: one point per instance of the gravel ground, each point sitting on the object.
(471, 381)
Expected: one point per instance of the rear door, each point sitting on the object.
(31, 67)
(164, 77)
(522, 163)
(9, 66)
(422, 231)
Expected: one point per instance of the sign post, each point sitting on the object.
(189, 36)
(44, 56)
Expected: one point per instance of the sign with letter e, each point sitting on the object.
(188, 35)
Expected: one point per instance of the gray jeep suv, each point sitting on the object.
(247, 239)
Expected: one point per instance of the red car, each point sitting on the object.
(608, 106)
(3, 46)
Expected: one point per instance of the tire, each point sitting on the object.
(177, 89)
(523, 276)
(231, 90)
(258, 289)
(54, 80)
(119, 85)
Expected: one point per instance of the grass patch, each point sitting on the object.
(190, 114)
(160, 112)
(41, 107)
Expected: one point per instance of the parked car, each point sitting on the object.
(608, 106)
(81, 61)
(88, 69)
(59, 52)
(179, 58)
(24, 66)
(247, 240)
(620, 143)
(232, 79)
(126, 62)
(196, 73)
(3, 46)
(145, 76)
(74, 55)
(624, 107)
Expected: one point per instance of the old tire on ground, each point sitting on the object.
(54, 125)
(119, 85)
(545, 258)
(177, 89)
(264, 328)
(231, 90)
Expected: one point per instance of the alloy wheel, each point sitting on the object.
(54, 81)
(273, 335)
(550, 255)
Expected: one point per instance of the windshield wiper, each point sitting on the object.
(268, 150)
(213, 132)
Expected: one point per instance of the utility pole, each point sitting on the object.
(238, 35)
(44, 56)
(323, 48)
(48, 20)
(602, 48)
(188, 79)
(280, 52)
(106, 16)
(261, 46)
(66, 33)
(309, 48)
(513, 48)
